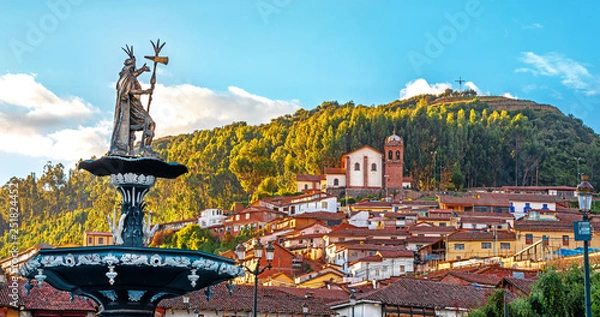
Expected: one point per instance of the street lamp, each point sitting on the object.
(304, 309)
(434, 153)
(352, 302)
(585, 191)
(240, 251)
(578, 159)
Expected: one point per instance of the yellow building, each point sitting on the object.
(91, 238)
(470, 244)
(542, 233)
(319, 279)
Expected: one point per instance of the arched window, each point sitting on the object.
(373, 167)
(336, 182)
(397, 155)
(390, 155)
(357, 166)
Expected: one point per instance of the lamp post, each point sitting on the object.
(434, 153)
(352, 302)
(304, 309)
(240, 251)
(583, 232)
(578, 159)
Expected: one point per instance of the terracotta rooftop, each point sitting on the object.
(481, 279)
(335, 170)
(46, 298)
(432, 229)
(426, 293)
(309, 178)
(481, 236)
(494, 199)
(393, 254)
(322, 215)
(523, 284)
(271, 299)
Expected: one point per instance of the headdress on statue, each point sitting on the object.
(129, 51)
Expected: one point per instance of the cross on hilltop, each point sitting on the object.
(460, 81)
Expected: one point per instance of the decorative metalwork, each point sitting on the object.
(28, 287)
(157, 296)
(110, 259)
(156, 261)
(135, 296)
(40, 277)
(208, 293)
(193, 278)
(177, 261)
(132, 179)
(110, 294)
(89, 259)
(111, 274)
(134, 259)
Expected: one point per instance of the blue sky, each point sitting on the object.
(257, 59)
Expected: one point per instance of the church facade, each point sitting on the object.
(365, 170)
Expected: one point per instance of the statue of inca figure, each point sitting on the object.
(130, 115)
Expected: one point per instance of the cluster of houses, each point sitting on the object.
(431, 256)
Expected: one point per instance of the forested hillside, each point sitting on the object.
(485, 141)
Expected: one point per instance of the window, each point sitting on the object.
(390, 155)
(442, 224)
(305, 186)
(90, 240)
(504, 246)
(237, 217)
(336, 182)
(357, 166)
(397, 155)
(529, 238)
(565, 240)
(100, 240)
(546, 240)
(402, 268)
(459, 246)
(324, 204)
(235, 228)
(486, 245)
(247, 216)
(373, 167)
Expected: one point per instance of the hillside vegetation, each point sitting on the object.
(487, 141)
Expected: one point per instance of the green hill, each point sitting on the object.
(480, 141)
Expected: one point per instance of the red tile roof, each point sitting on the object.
(309, 178)
(393, 254)
(523, 284)
(46, 298)
(335, 170)
(426, 293)
(322, 215)
(481, 236)
(271, 299)
(482, 279)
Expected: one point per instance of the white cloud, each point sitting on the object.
(573, 74)
(420, 87)
(509, 95)
(32, 103)
(60, 136)
(471, 85)
(533, 26)
(185, 108)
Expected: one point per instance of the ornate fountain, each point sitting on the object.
(129, 278)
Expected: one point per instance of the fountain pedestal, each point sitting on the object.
(129, 279)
